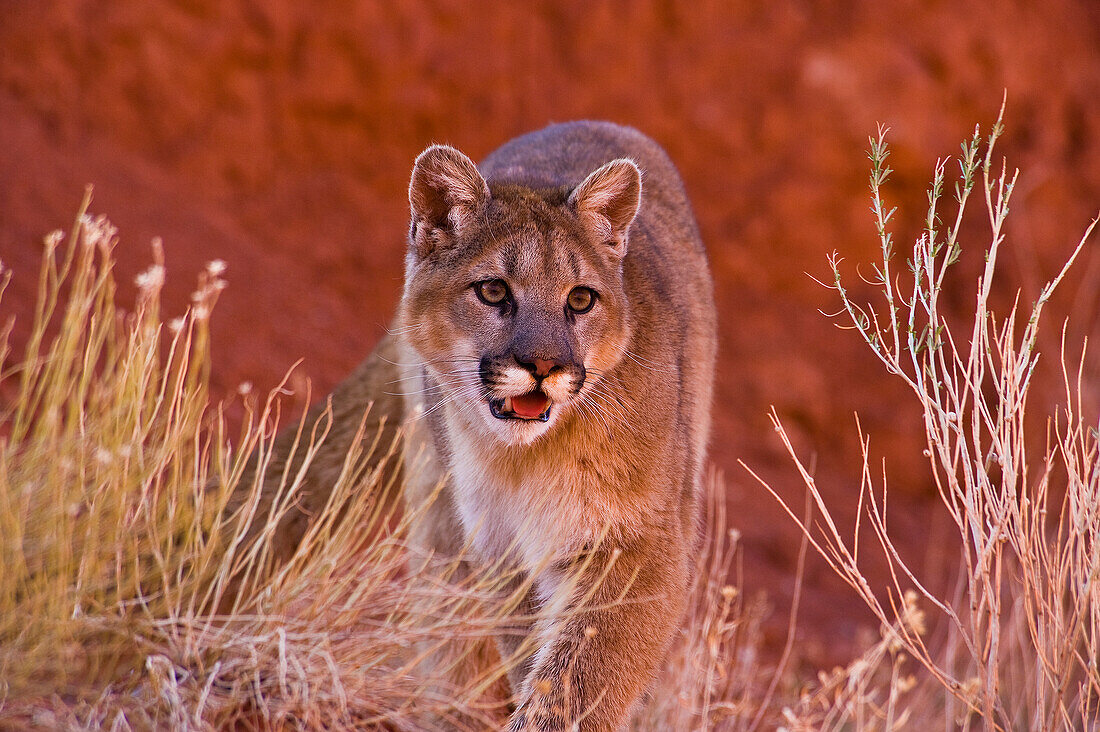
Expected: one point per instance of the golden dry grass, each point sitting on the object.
(115, 476)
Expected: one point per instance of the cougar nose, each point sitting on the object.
(539, 367)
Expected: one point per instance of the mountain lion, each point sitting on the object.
(555, 346)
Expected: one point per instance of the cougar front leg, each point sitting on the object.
(599, 654)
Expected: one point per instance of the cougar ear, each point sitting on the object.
(445, 193)
(607, 201)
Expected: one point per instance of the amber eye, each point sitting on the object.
(581, 299)
(491, 292)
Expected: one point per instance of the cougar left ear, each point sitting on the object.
(607, 201)
(445, 194)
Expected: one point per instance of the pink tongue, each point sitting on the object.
(530, 405)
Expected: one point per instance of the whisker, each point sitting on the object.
(602, 389)
(444, 373)
(461, 389)
(456, 359)
(442, 402)
(416, 392)
(404, 329)
(466, 374)
(606, 386)
(651, 365)
(589, 409)
(607, 407)
(605, 389)
(478, 398)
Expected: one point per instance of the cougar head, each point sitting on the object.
(514, 298)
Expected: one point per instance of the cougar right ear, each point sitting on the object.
(608, 201)
(445, 192)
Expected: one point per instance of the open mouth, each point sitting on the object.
(534, 405)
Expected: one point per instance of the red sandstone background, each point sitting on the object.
(278, 136)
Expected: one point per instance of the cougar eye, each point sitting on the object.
(491, 292)
(581, 299)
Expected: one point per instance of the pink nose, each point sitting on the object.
(542, 366)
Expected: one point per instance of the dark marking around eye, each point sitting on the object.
(574, 265)
(485, 371)
(510, 255)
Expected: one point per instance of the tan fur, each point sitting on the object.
(600, 502)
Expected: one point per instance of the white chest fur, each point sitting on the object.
(541, 509)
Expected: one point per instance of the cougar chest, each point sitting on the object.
(527, 509)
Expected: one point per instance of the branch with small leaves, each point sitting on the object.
(1026, 592)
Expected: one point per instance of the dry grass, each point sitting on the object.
(115, 478)
(1021, 633)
